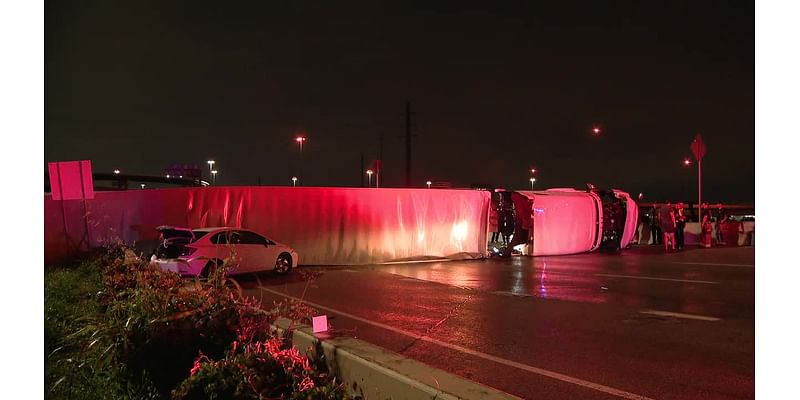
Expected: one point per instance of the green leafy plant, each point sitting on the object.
(132, 330)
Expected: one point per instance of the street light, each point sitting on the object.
(116, 172)
(532, 181)
(213, 177)
(686, 162)
(596, 131)
(533, 170)
(429, 184)
(210, 166)
(300, 139)
(142, 185)
(369, 177)
(294, 181)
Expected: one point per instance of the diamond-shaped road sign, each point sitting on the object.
(698, 148)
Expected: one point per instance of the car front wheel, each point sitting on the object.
(283, 264)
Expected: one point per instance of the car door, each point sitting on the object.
(227, 248)
(257, 250)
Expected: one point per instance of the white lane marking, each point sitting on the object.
(717, 264)
(506, 293)
(679, 315)
(652, 278)
(433, 260)
(539, 371)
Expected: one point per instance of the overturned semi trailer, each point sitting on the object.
(344, 225)
(569, 221)
(326, 225)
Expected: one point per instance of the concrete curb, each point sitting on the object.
(373, 372)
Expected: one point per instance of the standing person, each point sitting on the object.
(731, 229)
(680, 225)
(655, 229)
(666, 217)
(720, 236)
(494, 225)
(642, 227)
(705, 229)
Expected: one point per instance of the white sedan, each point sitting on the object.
(197, 252)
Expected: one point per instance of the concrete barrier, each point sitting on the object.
(373, 372)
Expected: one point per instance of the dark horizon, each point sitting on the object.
(494, 91)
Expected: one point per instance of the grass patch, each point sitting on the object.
(120, 328)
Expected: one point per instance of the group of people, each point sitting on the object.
(667, 224)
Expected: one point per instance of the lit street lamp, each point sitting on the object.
(294, 181)
(142, 185)
(116, 172)
(300, 140)
(429, 184)
(686, 162)
(369, 177)
(532, 182)
(210, 167)
(213, 177)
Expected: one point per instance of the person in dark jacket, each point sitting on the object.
(680, 225)
(655, 227)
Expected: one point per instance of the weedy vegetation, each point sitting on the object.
(117, 327)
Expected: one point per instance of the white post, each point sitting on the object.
(700, 190)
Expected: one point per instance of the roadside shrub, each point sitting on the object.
(257, 370)
(71, 304)
(145, 332)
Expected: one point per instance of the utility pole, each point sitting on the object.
(700, 189)
(699, 148)
(408, 144)
(361, 170)
(379, 163)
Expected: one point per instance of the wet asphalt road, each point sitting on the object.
(642, 324)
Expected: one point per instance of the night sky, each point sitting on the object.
(495, 89)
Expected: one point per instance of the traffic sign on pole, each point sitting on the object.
(699, 149)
